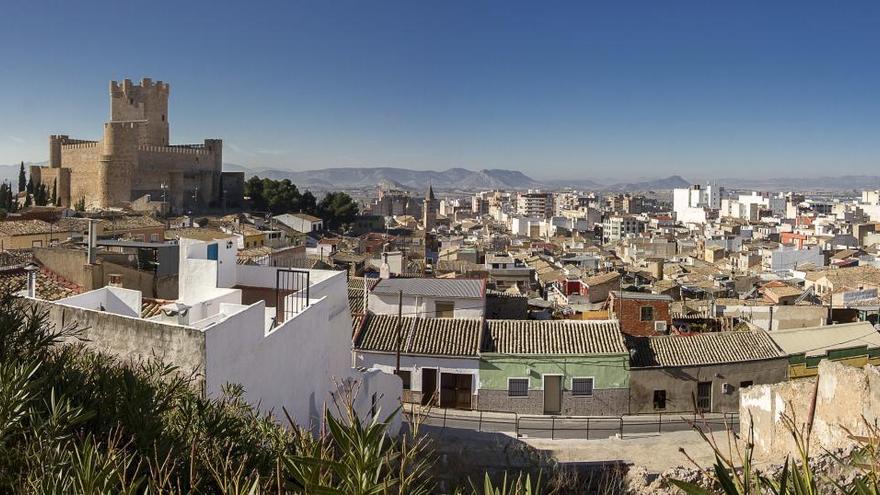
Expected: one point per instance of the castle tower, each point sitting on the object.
(429, 211)
(117, 162)
(147, 102)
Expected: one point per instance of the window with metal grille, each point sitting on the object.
(704, 396)
(518, 387)
(647, 313)
(582, 387)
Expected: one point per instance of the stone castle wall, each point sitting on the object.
(134, 157)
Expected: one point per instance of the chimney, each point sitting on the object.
(32, 271)
(384, 269)
(115, 280)
(92, 242)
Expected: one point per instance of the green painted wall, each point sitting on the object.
(607, 371)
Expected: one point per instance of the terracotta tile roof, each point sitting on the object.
(130, 222)
(50, 286)
(152, 307)
(553, 337)
(25, 227)
(702, 349)
(425, 336)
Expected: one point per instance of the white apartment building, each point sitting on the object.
(535, 204)
(690, 204)
(617, 227)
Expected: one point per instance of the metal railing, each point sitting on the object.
(291, 293)
(570, 427)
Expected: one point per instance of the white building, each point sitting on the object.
(301, 222)
(429, 297)
(791, 258)
(439, 358)
(617, 227)
(535, 204)
(284, 335)
(690, 204)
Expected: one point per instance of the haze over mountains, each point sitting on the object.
(464, 179)
(451, 179)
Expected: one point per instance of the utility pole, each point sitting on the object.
(399, 328)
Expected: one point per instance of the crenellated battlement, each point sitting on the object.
(126, 86)
(179, 149)
(79, 145)
(134, 155)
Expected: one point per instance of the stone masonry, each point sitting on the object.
(134, 158)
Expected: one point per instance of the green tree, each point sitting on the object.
(337, 209)
(54, 192)
(22, 178)
(41, 195)
(253, 189)
(308, 203)
(30, 184)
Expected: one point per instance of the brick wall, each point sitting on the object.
(629, 311)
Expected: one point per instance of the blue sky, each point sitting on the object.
(555, 89)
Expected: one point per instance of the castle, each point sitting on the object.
(134, 162)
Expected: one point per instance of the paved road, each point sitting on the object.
(564, 427)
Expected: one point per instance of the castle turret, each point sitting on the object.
(147, 101)
(55, 142)
(117, 162)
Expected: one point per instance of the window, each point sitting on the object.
(582, 387)
(704, 396)
(37, 243)
(406, 378)
(660, 399)
(745, 384)
(374, 405)
(444, 309)
(517, 387)
(646, 313)
(154, 237)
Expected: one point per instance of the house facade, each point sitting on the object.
(679, 373)
(553, 367)
(439, 357)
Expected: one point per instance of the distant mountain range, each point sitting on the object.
(454, 179)
(461, 179)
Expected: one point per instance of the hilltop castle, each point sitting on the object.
(135, 159)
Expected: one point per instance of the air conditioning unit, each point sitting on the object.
(661, 327)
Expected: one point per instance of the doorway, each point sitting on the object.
(455, 390)
(552, 394)
(429, 386)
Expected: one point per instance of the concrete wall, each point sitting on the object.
(844, 396)
(777, 318)
(680, 384)
(131, 339)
